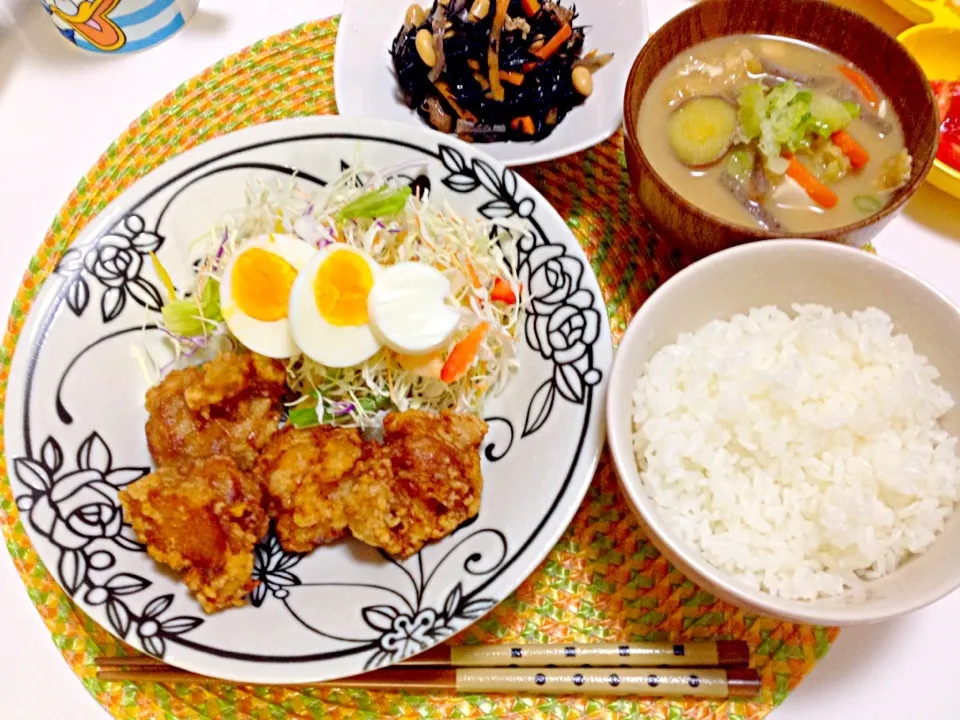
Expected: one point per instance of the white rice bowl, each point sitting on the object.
(802, 453)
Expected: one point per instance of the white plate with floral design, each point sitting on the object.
(74, 421)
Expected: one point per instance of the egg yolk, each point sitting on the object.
(341, 288)
(261, 282)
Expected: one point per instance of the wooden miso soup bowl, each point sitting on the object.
(812, 21)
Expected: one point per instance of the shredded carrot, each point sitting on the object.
(530, 7)
(530, 65)
(493, 49)
(448, 96)
(818, 192)
(422, 239)
(863, 85)
(555, 43)
(463, 354)
(514, 78)
(524, 123)
(851, 148)
(502, 292)
(474, 278)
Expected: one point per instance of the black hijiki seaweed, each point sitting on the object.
(547, 92)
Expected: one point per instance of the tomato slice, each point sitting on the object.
(944, 98)
(948, 104)
(948, 97)
(949, 152)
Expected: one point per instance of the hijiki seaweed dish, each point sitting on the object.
(494, 70)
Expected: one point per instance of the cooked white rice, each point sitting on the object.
(802, 453)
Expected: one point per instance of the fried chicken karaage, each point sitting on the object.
(420, 484)
(228, 406)
(225, 470)
(305, 476)
(201, 517)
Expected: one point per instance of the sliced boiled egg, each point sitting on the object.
(328, 307)
(408, 308)
(255, 292)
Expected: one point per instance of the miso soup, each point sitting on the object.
(774, 134)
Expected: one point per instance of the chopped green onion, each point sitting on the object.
(384, 202)
(868, 203)
(188, 318)
(853, 109)
(740, 164)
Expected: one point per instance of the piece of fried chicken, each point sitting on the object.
(228, 406)
(420, 484)
(305, 476)
(201, 517)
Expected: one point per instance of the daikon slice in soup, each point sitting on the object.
(773, 133)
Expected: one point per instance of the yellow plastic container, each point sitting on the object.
(935, 43)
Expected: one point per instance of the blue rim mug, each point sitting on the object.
(117, 26)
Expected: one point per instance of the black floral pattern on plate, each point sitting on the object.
(271, 567)
(78, 511)
(406, 626)
(562, 321)
(116, 261)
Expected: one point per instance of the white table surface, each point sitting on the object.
(52, 130)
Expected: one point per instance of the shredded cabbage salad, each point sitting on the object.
(377, 212)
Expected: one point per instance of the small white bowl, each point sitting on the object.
(366, 86)
(781, 273)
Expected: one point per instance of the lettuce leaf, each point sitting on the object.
(303, 416)
(183, 317)
(753, 109)
(788, 118)
(383, 202)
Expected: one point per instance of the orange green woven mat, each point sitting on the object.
(603, 581)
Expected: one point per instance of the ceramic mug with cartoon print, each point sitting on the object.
(111, 26)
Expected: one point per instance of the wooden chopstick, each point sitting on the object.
(720, 653)
(700, 669)
(642, 682)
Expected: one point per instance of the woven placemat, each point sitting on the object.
(603, 581)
